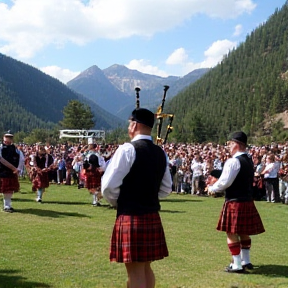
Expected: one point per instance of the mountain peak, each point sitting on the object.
(91, 71)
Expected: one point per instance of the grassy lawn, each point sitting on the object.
(64, 242)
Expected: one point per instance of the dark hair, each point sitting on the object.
(86, 164)
(93, 160)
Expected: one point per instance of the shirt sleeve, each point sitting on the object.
(230, 171)
(102, 162)
(115, 172)
(21, 160)
(166, 184)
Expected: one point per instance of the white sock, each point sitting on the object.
(236, 262)
(39, 193)
(7, 200)
(245, 256)
(95, 199)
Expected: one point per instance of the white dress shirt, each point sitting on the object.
(230, 171)
(120, 166)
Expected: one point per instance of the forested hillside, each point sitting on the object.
(31, 99)
(248, 87)
(14, 116)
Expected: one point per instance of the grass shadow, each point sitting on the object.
(11, 279)
(50, 202)
(172, 211)
(50, 213)
(65, 202)
(22, 200)
(26, 192)
(271, 270)
(180, 200)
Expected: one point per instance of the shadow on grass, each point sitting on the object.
(50, 202)
(171, 211)
(10, 279)
(271, 270)
(50, 213)
(181, 200)
(26, 192)
(22, 200)
(59, 202)
(65, 202)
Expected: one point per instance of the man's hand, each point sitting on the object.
(210, 192)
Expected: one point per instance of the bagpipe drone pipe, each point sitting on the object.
(160, 116)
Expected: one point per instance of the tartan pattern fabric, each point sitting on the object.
(9, 184)
(93, 179)
(41, 180)
(240, 218)
(138, 238)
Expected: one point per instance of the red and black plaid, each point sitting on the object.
(93, 179)
(9, 184)
(41, 180)
(240, 218)
(138, 238)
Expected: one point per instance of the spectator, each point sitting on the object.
(271, 180)
(197, 175)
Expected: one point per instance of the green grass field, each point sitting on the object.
(64, 242)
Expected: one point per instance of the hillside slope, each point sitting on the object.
(248, 86)
(39, 98)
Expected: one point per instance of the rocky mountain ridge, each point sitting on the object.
(113, 88)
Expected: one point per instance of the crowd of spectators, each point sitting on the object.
(190, 165)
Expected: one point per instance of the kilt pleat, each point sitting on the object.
(138, 238)
(9, 184)
(240, 218)
(93, 179)
(41, 180)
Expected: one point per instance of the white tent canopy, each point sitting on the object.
(74, 133)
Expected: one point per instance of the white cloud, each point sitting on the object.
(213, 55)
(27, 26)
(178, 62)
(179, 56)
(64, 75)
(216, 51)
(145, 67)
(238, 30)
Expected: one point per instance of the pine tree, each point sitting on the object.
(77, 116)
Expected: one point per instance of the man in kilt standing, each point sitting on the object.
(42, 163)
(137, 176)
(8, 172)
(93, 174)
(239, 217)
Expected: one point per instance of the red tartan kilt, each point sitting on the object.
(240, 218)
(10, 184)
(40, 181)
(138, 238)
(93, 179)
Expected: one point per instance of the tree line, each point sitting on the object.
(242, 92)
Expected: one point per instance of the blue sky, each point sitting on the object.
(160, 37)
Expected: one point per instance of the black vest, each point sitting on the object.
(9, 154)
(42, 161)
(242, 187)
(140, 187)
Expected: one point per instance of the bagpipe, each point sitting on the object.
(33, 171)
(160, 116)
